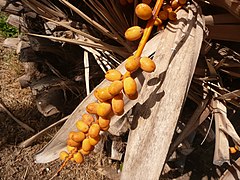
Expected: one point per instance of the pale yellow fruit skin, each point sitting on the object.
(82, 126)
(105, 128)
(70, 148)
(96, 95)
(70, 134)
(94, 130)
(113, 75)
(92, 108)
(129, 86)
(78, 157)
(115, 88)
(88, 119)
(143, 11)
(157, 22)
(132, 64)
(63, 155)
(133, 97)
(84, 152)
(133, 33)
(118, 104)
(127, 74)
(104, 109)
(103, 122)
(78, 136)
(104, 95)
(94, 141)
(147, 64)
(86, 146)
(73, 143)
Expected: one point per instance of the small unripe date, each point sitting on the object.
(147, 64)
(94, 130)
(113, 75)
(118, 104)
(115, 88)
(78, 157)
(143, 11)
(133, 33)
(129, 86)
(104, 109)
(132, 64)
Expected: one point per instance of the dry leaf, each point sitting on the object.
(233, 172)
(162, 96)
(221, 152)
(51, 150)
(224, 129)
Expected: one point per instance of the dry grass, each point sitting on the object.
(18, 163)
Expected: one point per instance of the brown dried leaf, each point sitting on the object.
(232, 172)
(200, 114)
(230, 95)
(92, 44)
(51, 150)
(44, 8)
(223, 129)
(221, 152)
(102, 29)
(231, 73)
(211, 68)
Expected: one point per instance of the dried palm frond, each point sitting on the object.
(110, 24)
(50, 151)
(223, 130)
(165, 91)
(45, 8)
(88, 43)
(98, 28)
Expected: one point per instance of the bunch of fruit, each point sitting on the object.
(144, 12)
(109, 100)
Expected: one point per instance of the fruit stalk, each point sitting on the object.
(148, 29)
(66, 161)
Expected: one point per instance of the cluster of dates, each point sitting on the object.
(109, 102)
(110, 99)
(144, 12)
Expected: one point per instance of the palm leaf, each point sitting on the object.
(51, 150)
(117, 50)
(163, 94)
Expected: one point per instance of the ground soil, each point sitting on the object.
(18, 163)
